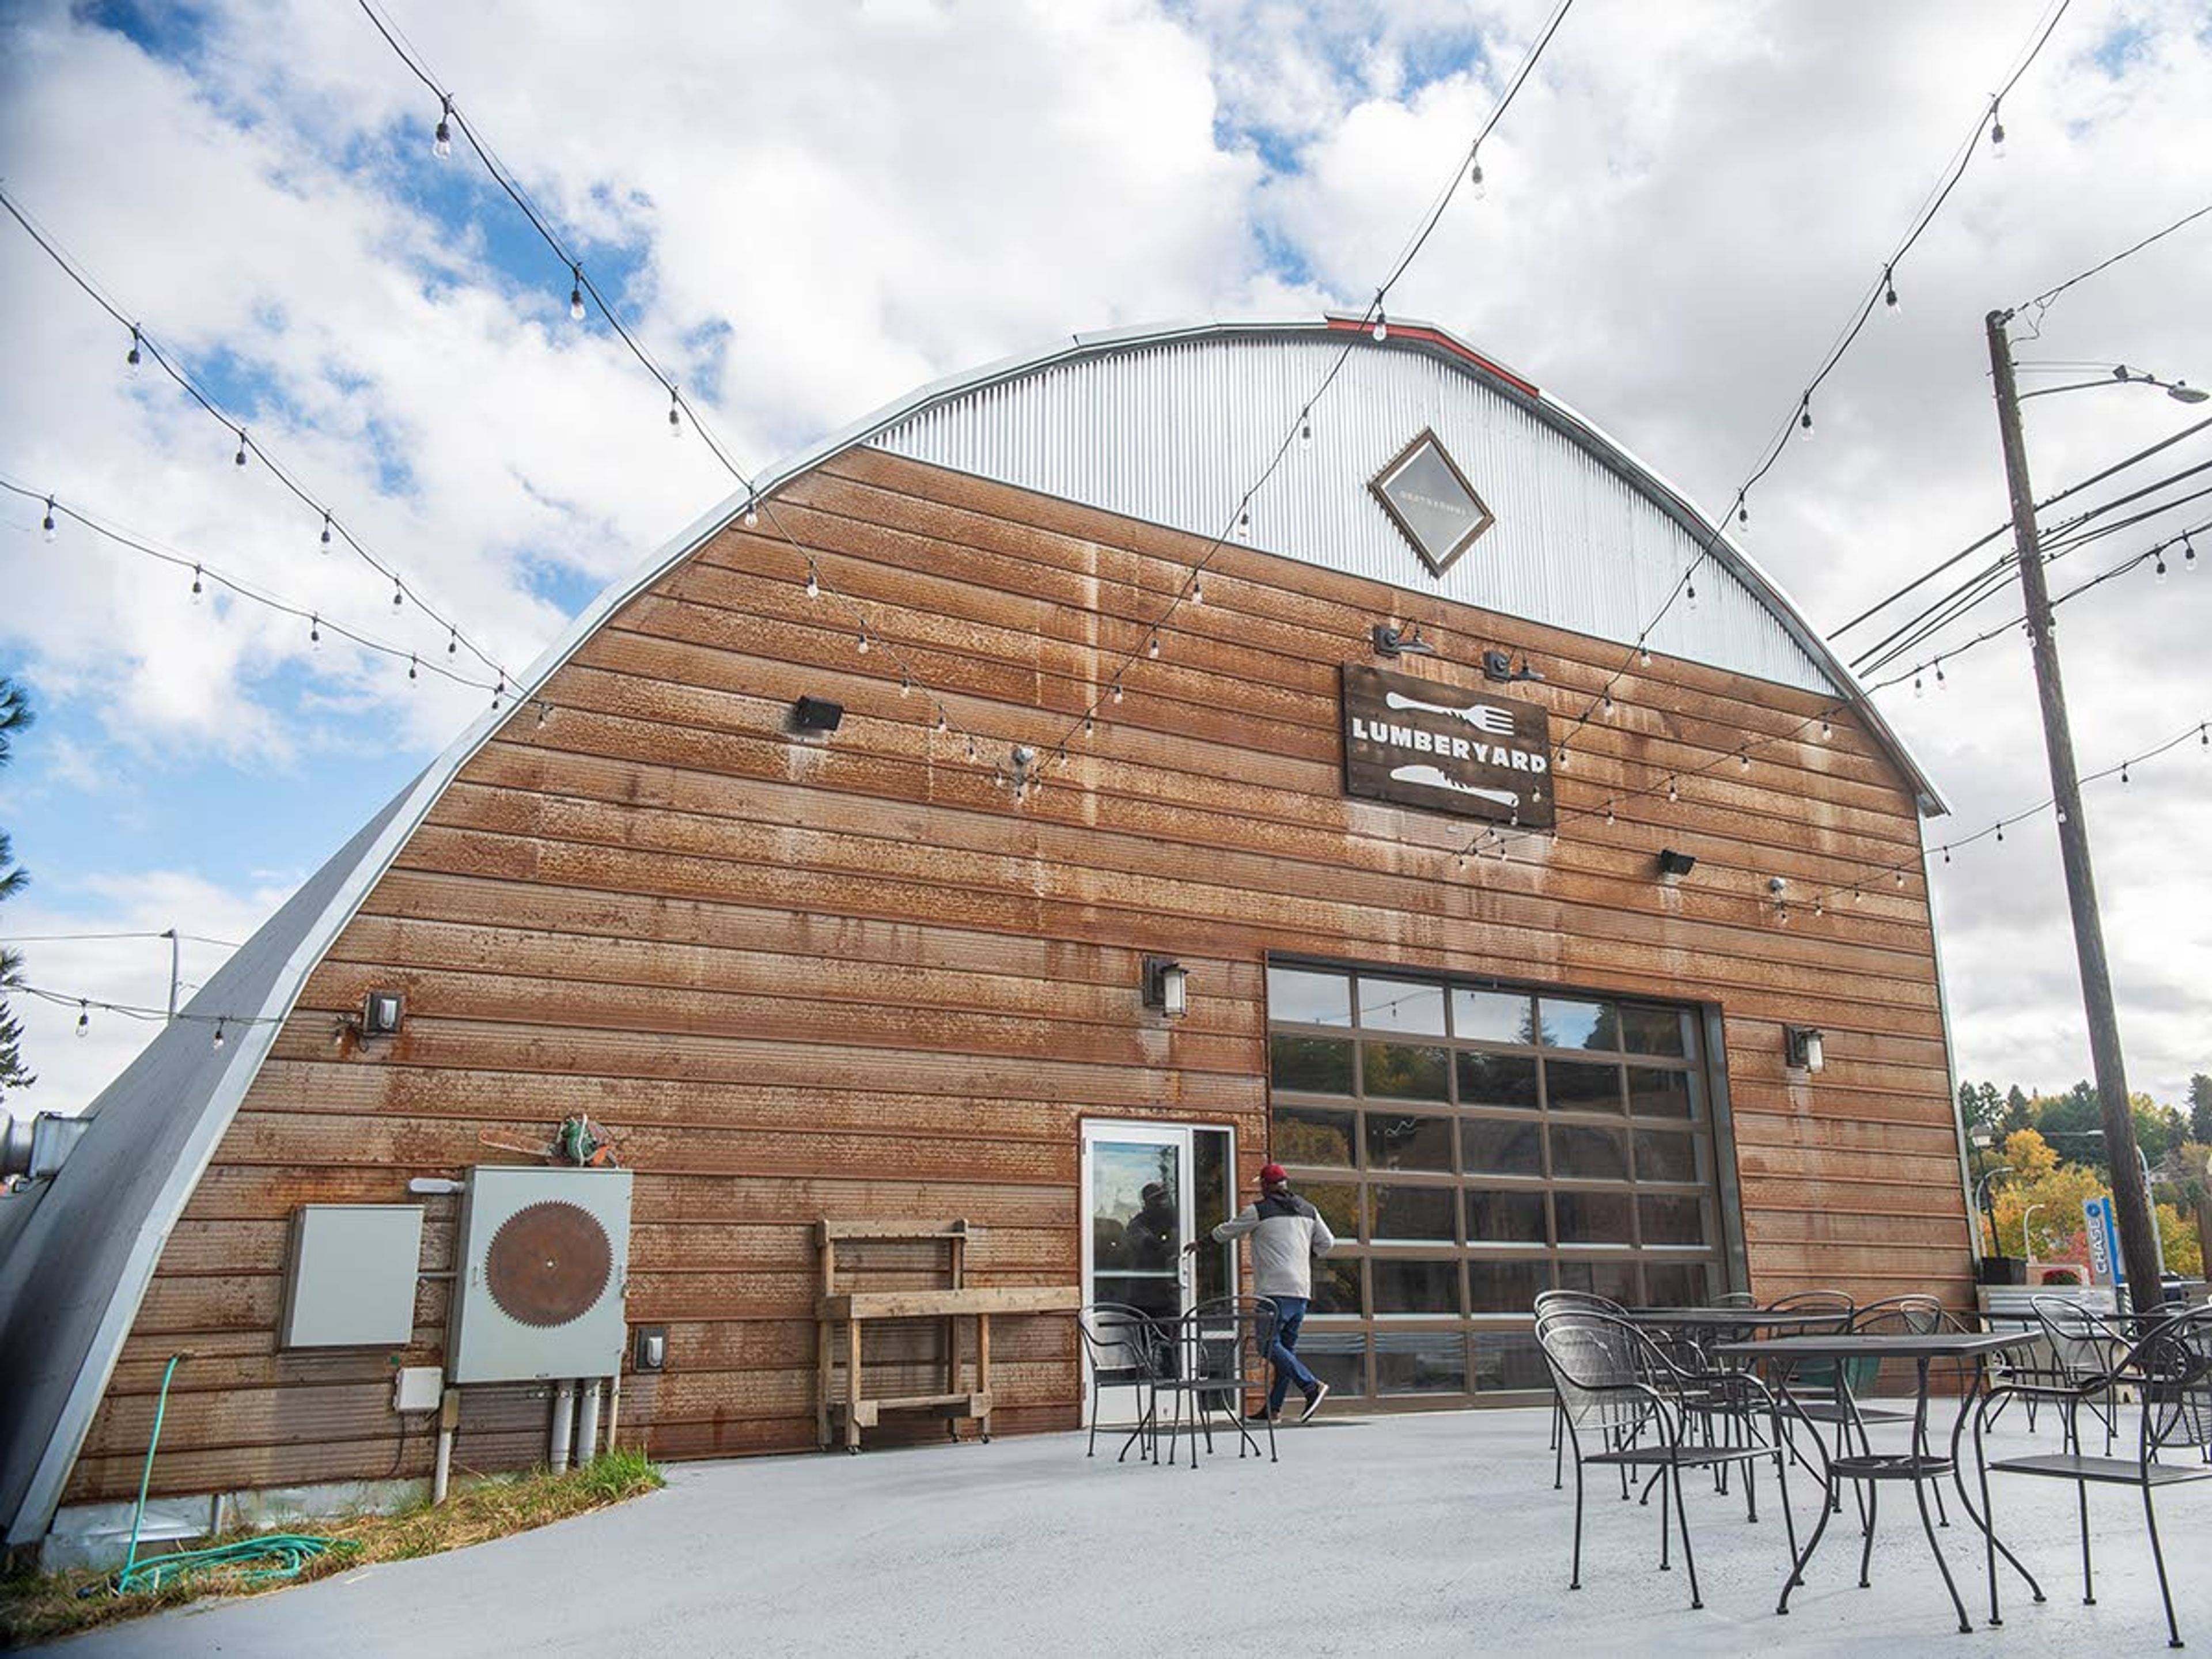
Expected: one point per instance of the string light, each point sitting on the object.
(196, 584)
(2062, 818)
(2123, 771)
(576, 293)
(1474, 175)
(1939, 673)
(906, 684)
(83, 1017)
(1996, 130)
(861, 644)
(1690, 598)
(1152, 646)
(1805, 418)
(46, 525)
(1827, 727)
(2158, 569)
(1381, 326)
(1889, 290)
(675, 415)
(752, 515)
(1608, 811)
(941, 723)
(1743, 517)
(1674, 795)
(1305, 424)
(498, 692)
(1117, 688)
(398, 599)
(239, 459)
(1644, 654)
(326, 534)
(410, 666)
(1197, 580)
(452, 641)
(1743, 759)
(1609, 705)
(134, 357)
(2188, 552)
(314, 628)
(217, 1044)
(813, 582)
(441, 141)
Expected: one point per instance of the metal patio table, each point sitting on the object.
(1917, 1465)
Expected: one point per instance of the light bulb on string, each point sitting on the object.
(1643, 654)
(1919, 689)
(2188, 553)
(1674, 793)
(1827, 727)
(2000, 832)
(239, 459)
(576, 293)
(1198, 587)
(498, 693)
(1381, 326)
(813, 582)
(135, 357)
(1946, 852)
(2123, 771)
(1474, 175)
(971, 749)
(46, 525)
(1743, 759)
(1996, 131)
(1805, 418)
(1889, 290)
(1939, 673)
(325, 544)
(906, 684)
(442, 140)
(1152, 646)
(545, 712)
(398, 594)
(752, 515)
(1117, 688)
(411, 673)
(452, 641)
(1609, 705)
(1305, 426)
(1900, 877)
(83, 1017)
(314, 628)
(1743, 517)
(862, 643)
(941, 724)
(196, 584)
(675, 417)
(2158, 569)
(1856, 895)
(2062, 813)
(1690, 598)
(219, 1039)
(1608, 812)
(1819, 908)
(1090, 724)
(1561, 763)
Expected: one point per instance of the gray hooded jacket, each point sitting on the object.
(1287, 1233)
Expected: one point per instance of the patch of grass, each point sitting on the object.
(37, 1607)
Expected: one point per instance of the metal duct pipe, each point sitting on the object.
(37, 1146)
(449, 1418)
(16, 1146)
(587, 1422)
(564, 1417)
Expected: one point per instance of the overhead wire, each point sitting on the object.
(203, 572)
(143, 344)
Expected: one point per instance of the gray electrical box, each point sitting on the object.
(545, 1259)
(352, 1276)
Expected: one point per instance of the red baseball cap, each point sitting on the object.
(1274, 1174)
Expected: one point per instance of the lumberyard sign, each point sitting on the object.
(1420, 744)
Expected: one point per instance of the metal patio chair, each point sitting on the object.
(1219, 1355)
(2171, 1368)
(1124, 1348)
(1561, 1301)
(2084, 1347)
(1613, 1383)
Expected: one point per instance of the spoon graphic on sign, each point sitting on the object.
(1484, 718)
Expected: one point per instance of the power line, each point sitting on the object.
(2042, 302)
(143, 345)
(203, 574)
(79, 938)
(1981, 542)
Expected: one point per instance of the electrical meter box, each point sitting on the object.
(544, 1257)
(352, 1277)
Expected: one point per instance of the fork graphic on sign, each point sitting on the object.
(1481, 716)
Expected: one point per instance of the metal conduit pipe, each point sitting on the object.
(614, 1394)
(564, 1417)
(449, 1418)
(587, 1422)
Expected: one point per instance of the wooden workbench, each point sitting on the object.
(855, 1409)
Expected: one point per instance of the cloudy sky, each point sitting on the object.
(806, 210)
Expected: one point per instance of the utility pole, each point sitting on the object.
(2130, 1194)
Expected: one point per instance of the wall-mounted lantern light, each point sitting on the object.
(1672, 863)
(1803, 1049)
(1167, 986)
(381, 1013)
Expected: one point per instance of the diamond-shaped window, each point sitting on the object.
(1431, 502)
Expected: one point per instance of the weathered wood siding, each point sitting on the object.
(851, 979)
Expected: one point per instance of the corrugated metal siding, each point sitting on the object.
(1174, 433)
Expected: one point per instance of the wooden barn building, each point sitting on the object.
(898, 962)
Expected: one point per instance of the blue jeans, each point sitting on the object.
(1283, 1355)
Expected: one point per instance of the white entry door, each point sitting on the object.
(1148, 1189)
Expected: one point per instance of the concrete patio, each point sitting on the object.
(1437, 1533)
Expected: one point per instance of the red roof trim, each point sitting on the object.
(1437, 337)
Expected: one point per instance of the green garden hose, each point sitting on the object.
(251, 1560)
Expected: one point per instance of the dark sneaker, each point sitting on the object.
(1263, 1416)
(1313, 1401)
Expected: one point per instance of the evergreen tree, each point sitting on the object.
(2200, 1107)
(14, 716)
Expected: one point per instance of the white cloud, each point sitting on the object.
(818, 208)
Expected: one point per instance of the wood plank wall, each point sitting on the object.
(850, 978)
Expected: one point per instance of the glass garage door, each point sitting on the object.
(1471, 1147)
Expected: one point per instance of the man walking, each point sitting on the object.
(1287, 1233)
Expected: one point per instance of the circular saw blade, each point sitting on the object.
(549, 1263)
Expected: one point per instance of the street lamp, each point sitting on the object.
(2027, 1239)
(2180, 390)
(2139, 1241)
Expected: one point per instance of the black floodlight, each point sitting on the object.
(817, 714)
(1672, 863)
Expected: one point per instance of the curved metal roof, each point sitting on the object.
(1160, 424)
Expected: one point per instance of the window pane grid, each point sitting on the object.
(1472, 1147)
